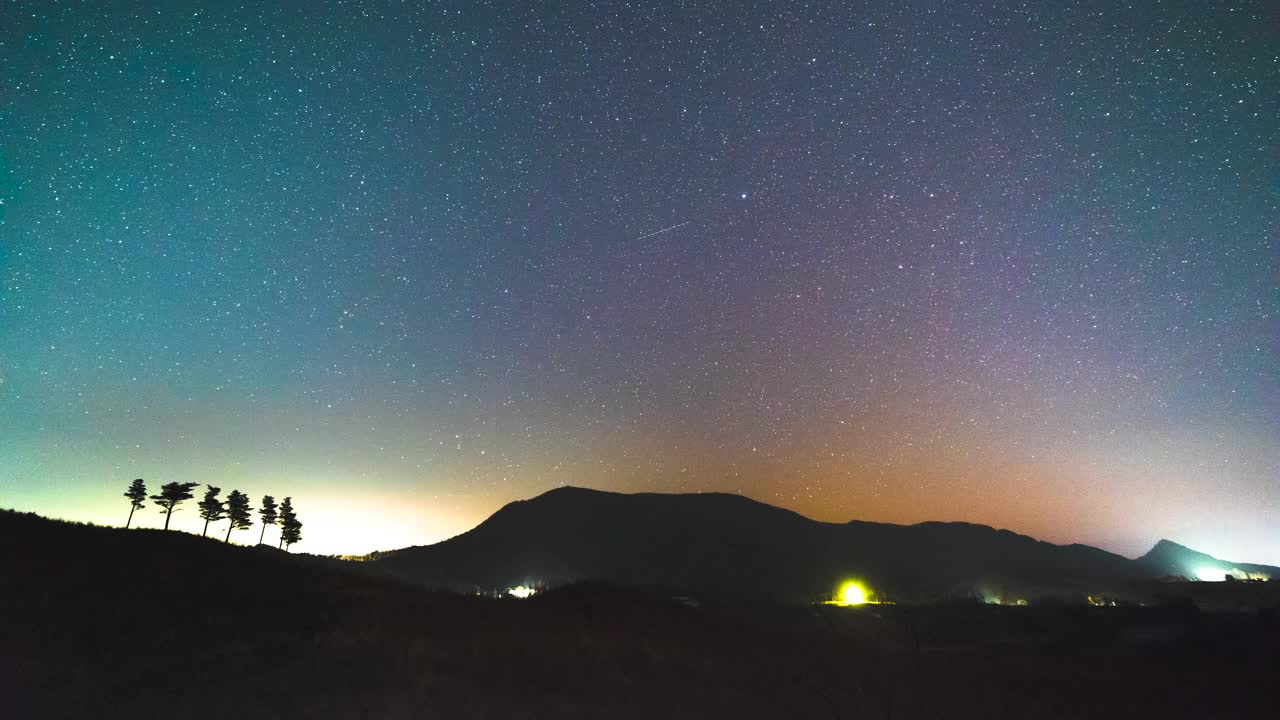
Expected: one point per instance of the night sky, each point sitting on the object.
(1009, 263)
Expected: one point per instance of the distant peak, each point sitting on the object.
(1170, 554)
(1166, 545)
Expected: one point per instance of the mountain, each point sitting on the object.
(108, 623)
(719, 546)
(1169, 559)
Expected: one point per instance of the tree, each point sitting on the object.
(171, 495)
(211, 508)
(268, 515)
(238, 512)
(290, 528)
(137, 494)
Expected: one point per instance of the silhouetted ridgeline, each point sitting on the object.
(727, 547)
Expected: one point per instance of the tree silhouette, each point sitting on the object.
(237, 512)
(137, 494)
(290, 528)
(268, 515)
(171, 495)
(211, 508)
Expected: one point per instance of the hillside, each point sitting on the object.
(1168, 558)
(722, 547)
(111, 623)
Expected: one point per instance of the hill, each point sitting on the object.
(111, 623)
(727, 547)
(1169, 559)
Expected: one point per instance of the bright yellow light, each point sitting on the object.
(852, 593)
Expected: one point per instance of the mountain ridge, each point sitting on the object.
(729, 545)
(1170, 558)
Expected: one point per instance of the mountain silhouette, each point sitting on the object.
(720, 546)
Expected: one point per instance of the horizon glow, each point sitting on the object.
(1007, 264)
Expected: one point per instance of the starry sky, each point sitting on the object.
(1009, 263)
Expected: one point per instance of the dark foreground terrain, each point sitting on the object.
(108, 623)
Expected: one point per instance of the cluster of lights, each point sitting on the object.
(521, 591)
(1210, 573)
(997, 600)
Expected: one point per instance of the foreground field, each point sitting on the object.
(106, 623)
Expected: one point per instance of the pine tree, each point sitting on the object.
(211, 508)
(137, 494)
(290, 527)
(286, 512)
(171, 495)
(238, 512)
(291, 533)
(268, 515)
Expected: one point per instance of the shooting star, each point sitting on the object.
(659, 232)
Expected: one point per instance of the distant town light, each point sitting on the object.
(1208, 573)
(521, 591)
(852, 593)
